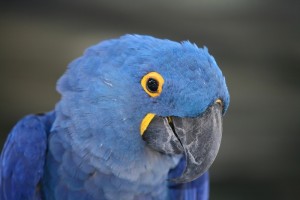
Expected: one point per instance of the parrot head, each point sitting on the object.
(146, 92)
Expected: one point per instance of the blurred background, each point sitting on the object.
(256, 44)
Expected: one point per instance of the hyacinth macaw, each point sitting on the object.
(139, 118)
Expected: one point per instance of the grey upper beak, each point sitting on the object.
(198, 138)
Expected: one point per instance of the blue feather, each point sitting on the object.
(23, 157)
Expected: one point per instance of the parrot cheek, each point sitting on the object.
(198, 138)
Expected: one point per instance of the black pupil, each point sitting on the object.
(152, 85)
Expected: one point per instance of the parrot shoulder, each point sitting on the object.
(23, 157)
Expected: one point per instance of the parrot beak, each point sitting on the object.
(198, 138)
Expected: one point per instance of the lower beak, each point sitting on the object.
(198, 138)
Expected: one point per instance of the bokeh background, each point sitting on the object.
(256, 44)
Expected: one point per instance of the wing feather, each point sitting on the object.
(23, 157)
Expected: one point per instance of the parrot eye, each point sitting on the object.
(152, 83)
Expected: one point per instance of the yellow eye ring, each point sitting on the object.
(152, 83)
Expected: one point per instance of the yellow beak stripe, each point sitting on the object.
(145, 122)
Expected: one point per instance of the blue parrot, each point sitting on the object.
(139, 118)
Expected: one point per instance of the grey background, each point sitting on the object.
(256, 44)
